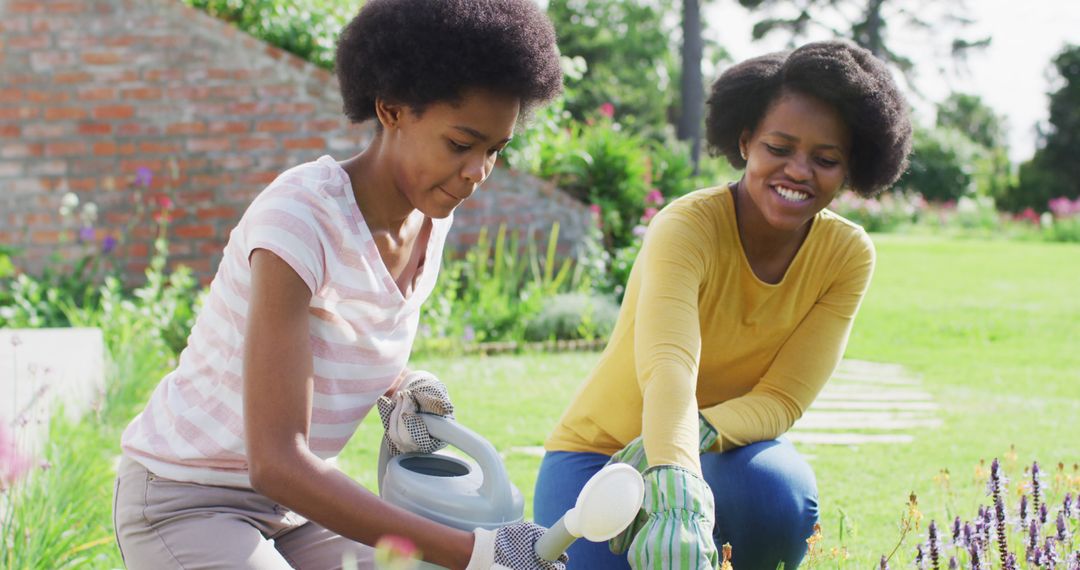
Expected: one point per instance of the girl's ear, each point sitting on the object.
(389, 114)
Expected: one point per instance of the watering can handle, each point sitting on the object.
(495, 487)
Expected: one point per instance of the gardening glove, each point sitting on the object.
(512, 547)
(678, 532)
(634, 455)
(420, 393)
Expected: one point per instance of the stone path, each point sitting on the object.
(867, 402)
(863, 403)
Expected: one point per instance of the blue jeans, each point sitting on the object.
(766, 503)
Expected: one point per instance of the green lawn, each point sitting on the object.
(992, 327)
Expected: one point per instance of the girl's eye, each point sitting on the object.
(458, 147)
(828, 162)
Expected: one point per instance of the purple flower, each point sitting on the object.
(469, 334)
(654, 197)
(86, 234)
(884, 564)
(108, 244)
(144, 176)
(1036, 484)
(638, 231)
(953, 564)
(935, 546)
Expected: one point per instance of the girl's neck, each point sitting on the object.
(384, 207)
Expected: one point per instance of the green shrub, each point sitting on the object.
(571, 316)
(306, 28)
(941, 165)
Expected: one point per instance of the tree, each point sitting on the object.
(866, 22)
(1054, 171)
(968, 114)
(628, 55)
(692, 110)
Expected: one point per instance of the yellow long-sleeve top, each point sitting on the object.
(699, 331)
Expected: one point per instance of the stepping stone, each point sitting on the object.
(41, 369)
(867, 402)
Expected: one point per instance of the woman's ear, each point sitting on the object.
(389, 114)
(744, 142)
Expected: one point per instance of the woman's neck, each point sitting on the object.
(768, 250)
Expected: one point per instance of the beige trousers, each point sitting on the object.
(161, 523)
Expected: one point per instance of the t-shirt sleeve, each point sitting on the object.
(803, 364)
(287, 224)
(667, 336)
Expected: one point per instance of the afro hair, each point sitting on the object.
(846, 76)
(418, 52)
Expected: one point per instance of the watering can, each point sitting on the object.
(448, 490)
(467, 496)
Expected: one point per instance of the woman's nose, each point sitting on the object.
(477, 169)
(797, 168)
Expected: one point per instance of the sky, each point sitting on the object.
(1011, 75)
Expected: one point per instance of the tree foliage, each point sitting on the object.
(870, 24)
(1054, 171)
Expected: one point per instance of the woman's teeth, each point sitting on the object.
(791, 195)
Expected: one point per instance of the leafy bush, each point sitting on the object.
(494, 291)
(941, 165)
(306, 28)
(573, 316)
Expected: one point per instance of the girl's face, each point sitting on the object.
(796, 160)
(440, 156)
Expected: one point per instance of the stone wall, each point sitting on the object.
(92, 91)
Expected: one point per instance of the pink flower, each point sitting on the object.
(607, 110)
(164, 202)
(1029, 215)
(1062, 207)
(13, 465)
(650, 212)
(654, 197)
(396, 552)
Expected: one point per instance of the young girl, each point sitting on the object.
(313, 312)
(736, 312)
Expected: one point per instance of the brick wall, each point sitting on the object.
(91, 91)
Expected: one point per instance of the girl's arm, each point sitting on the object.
(278, 383)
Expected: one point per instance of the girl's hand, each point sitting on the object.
(421, 393)
(511, 547)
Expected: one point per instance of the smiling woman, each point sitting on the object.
(736, 312)
(312, 314)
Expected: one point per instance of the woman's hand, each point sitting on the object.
(421, 393)
(512, 546)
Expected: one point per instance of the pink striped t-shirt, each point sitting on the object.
(362, 330)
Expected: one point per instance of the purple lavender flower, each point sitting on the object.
(920, 557)
(934, 542)
(956, 526)
(953, 564)
(1010, 562)
(1074, 561)
(884, 564)
(1024, 514)
(1036, 485)
(973, 555)
(1062, 528)
(1044, 513)
(1033, 550)
(999, 514)
(1067, 505)
(469, 334)
(86, 234)
(108, 244)
(1050, 555)
(144, 176)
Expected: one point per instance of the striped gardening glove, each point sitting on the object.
(677, 535)
(420, 393)
(634, 455)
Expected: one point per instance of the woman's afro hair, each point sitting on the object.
(839, 73)
(418, 52)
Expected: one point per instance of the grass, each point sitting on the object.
(990, 326)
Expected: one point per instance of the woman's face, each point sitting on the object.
(440, 156)
(796, 160)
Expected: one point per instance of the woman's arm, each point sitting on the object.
(667, 337)
(803, 364)
(278, 383)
